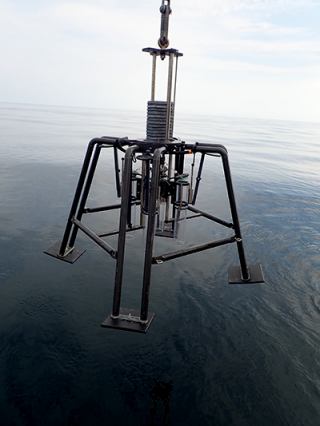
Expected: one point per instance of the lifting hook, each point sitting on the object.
(165, 11)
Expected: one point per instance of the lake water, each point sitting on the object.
(215, 354)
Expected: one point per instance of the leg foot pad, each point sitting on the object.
(71, 257)
(128, 320)
(256, 275)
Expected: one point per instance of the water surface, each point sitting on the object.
(214, 354)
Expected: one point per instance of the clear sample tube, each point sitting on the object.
(181, 205)
(161, 213)
(133, 207)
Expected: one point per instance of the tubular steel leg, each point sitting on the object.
(150, 234)
(85, 193)
(245, 274)
(243, 263)
(77, 195)
(126, 194)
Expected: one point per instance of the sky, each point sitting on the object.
(241, 58)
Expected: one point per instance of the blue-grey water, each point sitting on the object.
(215, 354)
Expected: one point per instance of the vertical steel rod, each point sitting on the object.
(143, 175)
(129, 224)
(117, 170)
(153, 81)
(198, 179)
(169, 92)
(169, 197)
(126, 194)
(174, 92)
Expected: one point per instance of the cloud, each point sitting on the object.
(207, 63)
(89, 52)
(211, 8)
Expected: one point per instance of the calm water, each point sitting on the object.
(215, 354)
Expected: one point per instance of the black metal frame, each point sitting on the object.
(122, 318)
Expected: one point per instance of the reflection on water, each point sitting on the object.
(214, 354)
(160, 393)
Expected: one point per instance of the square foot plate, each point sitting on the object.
(256, 274)
(128, 320)
(70, 257)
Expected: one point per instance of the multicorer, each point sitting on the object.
(163, 192)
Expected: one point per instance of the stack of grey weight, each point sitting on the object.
(156, 121)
